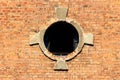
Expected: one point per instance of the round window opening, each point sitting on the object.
(61, 38)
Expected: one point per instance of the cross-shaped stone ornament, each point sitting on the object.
(61, 14)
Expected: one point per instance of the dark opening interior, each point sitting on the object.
(61, 38)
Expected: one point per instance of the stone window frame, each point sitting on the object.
(38, 38)
(70, 55)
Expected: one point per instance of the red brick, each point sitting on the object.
(21, 18)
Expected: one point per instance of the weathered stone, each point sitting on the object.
(61, 13)
(88, 38)
(61, 65)
(35, 39)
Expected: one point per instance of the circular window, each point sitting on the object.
(61, 38)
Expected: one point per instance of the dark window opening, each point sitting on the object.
(61, 38)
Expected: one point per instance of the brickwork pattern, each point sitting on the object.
(21, 18)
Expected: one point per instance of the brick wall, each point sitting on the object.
(21, 18)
